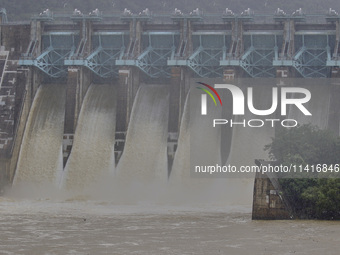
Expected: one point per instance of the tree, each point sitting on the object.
(305, 144)
(316, 196)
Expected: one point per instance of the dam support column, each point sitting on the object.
(129, 80)
(33, 51)
(128, 84)
(72, 97)
(79, 78)
(14, 105)
(84, 80)
(231, 57)
(127, 88)
(284, 58)
(268, 201)
(14, 108)
(7, 115)
(177, 97)
(177, 93)
(334, 106)
(124, 99)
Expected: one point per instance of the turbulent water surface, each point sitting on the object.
(85, 227)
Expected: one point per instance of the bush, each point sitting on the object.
(317, 197)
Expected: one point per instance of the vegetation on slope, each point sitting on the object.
(316, 195)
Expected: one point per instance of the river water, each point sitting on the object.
(76, 226)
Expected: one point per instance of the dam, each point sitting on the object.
(105, 88)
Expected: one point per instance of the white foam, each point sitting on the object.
(93, 149)
(40, 158)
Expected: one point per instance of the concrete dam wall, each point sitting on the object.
(90, 97)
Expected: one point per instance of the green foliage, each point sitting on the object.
(305, 145)
(317, 197)
(323, 199)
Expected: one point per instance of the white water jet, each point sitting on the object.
(40, 159)
(248, 143)
(199, 144)
(93, 148)
(144, 159)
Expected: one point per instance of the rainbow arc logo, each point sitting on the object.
(204, 97)
(209, 93)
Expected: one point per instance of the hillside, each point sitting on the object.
(23, 9)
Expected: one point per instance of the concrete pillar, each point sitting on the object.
(84, 81)
(337, 39)
(88, 36)
(1, 22)
(288, 47)
(36, 32)
(178, 90)
(36, 80)
(139, 31)
(175, 100)
(70, 106)
(189, 42)
(4, 178)
(128, 84)
(334, 112)
(282, 75)
(287, 51)
(83, 76)
(71, 115)
(267, 201)
(123, 100)
(236, 49)
(21, 119)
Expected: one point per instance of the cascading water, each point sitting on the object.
(318, 105)
(181, 165)
(334, 106)
(145, 152)
(248, 142)
(199, 144)
(40, 159)
(93, 149)
(144, 160)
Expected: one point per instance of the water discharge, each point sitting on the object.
(145, 152)
(40, 158)
(92, 153)
(319, 105)
(199, 144)
(248, 142)
(142, 169)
